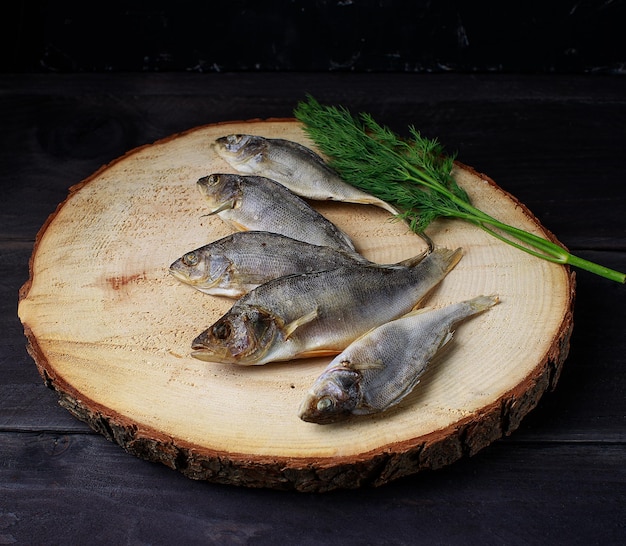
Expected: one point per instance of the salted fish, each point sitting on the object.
(238, 263)
(320, 313)
(260, 204)
(378, 370)
(295, 166)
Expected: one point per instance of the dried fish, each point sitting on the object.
(237, 263)
(260, 204)
(295, 166)
(319, 313)
(382, 367)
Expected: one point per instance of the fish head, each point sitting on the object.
(333, 396)
(238, 149)
(201, 269)
(242, 336)
(246, 153)
(221, 191)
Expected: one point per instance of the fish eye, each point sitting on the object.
(190, 259)
(233, 139)
(325, 403)
(213, 179)
(222, 331)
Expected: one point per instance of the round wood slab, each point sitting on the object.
(110, 331)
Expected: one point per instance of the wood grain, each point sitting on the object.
(110, 331)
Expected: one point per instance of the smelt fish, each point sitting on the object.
(321, 313)
(260, 204)
(295, 166)
(380, 368)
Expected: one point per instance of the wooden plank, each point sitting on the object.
(56, 138)
(508, 494)
(272, 87)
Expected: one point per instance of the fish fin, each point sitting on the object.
(414, 260)
(417, 310)
(236, 225)
(386, 206)
(446, 339)
(481, 303)
(369, 365)
(383, 205)
(368, 199)
(227, 205)
(258, 158)
(300, 321)
(448, 257)
(313, 353)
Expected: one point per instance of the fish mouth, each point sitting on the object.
(201, 350)
(309, 414)
(179, 276)
(217, 357)
(204, 354)
(189, 280)
(219, 145)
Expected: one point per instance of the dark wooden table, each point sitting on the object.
(558, 143)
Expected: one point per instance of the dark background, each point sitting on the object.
(531, 93)
(567, 36)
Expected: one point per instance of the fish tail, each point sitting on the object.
(446, 258)
(389, 208)
(482, 303)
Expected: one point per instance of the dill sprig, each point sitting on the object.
(415, 176)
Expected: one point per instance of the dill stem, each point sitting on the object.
(537, 246)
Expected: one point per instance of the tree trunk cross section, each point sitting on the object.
(110, 330)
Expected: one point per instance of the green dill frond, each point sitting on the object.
(415, 176)
(373, 158)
